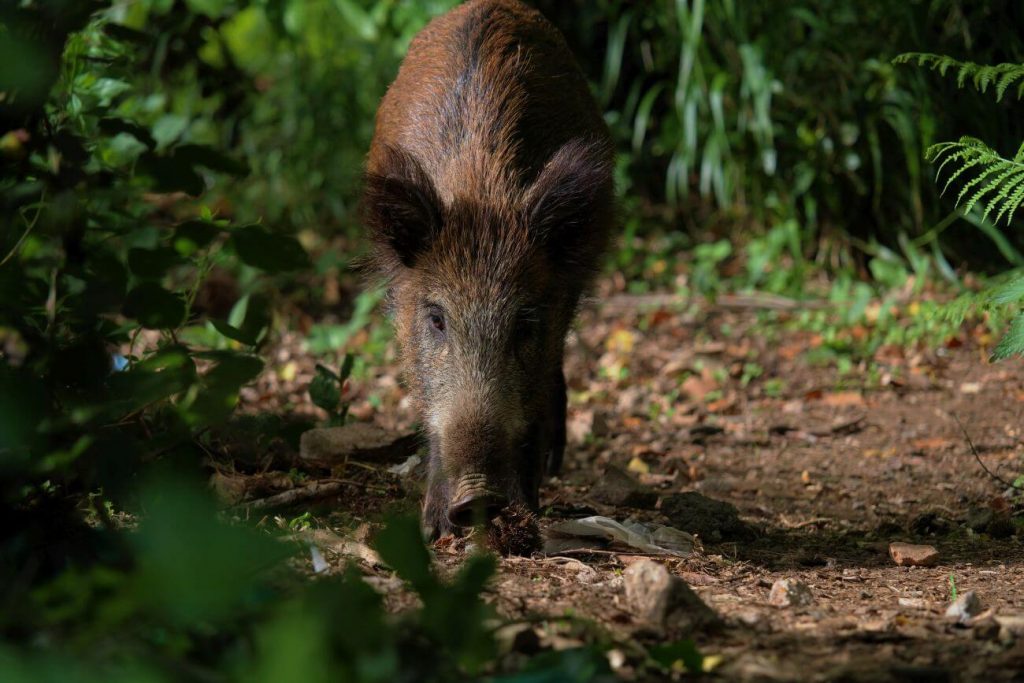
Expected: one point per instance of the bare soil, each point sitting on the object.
(828, 469)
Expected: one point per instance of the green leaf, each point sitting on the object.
(268, 251)
(211, 158)
(171, 174)
(168, 372)
(576, 665)
(152, 264)
(683, 650)
(192, 566)
(191, 236)
(325, 390)
(1012, 343)
(218, 392)
(249, 318)
(211, 8)
(346, 367)
(1010, 293)
(112, 126)
(154, 307)
(400, 545)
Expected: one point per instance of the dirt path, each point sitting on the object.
(826, 469)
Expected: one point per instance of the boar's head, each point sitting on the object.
(483, 287)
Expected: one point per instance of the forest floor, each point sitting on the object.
(826, 470)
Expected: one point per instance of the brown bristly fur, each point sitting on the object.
(489, 202)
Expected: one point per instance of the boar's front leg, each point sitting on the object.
(435, 503)
(559, 402)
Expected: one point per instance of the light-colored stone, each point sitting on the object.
(913, 603)
(966, 606)
(910, 555)
(984, 626)
(664, 602)
(1011, 627)
(790, 593)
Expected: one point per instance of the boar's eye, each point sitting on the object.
(435, 317)
(527, 325)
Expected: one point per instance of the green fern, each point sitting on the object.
(996, 180)
(981, 76)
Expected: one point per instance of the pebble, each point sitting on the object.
(790, 593)
(1011, 627)
(910, 555)
(664, 602)
(966, 606)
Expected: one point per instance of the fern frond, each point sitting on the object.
(1012, 343)
(981, 76)
(994, 177)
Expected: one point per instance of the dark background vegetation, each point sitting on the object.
(188, 172)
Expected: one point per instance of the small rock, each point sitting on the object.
(966, 606)
(1011, 627)
(664, 601)
(712, 520)
(910, 555)
(913, 603)
(617, 488)
(331, 446)
(984, 626)
(790, 593)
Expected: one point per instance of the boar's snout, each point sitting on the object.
(474, 501)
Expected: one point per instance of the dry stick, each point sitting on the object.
(978, 457)
(314, 490)
(753, 300)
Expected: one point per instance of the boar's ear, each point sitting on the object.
(571, 202)
(401, 208)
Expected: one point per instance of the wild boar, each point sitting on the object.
(489, 201)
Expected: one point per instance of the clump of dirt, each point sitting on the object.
(514, 532)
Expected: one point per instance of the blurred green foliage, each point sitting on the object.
(147, 145)
(102, 250)
(778, 111)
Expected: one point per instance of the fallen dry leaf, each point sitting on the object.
(931, 443)
(639, 466)
(620, 341)
(697, 388)
(841, 399)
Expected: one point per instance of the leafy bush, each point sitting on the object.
(987, 178)
(115, 564)
(793, 111)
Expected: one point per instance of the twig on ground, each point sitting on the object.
(314, 490)
(804, 523)
(339, 545)
(753, 300)
(843, 428)
(977, 457)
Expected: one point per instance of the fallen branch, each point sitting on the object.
(753, 300)
(977, 457)
(339, 545)
(310, 492)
